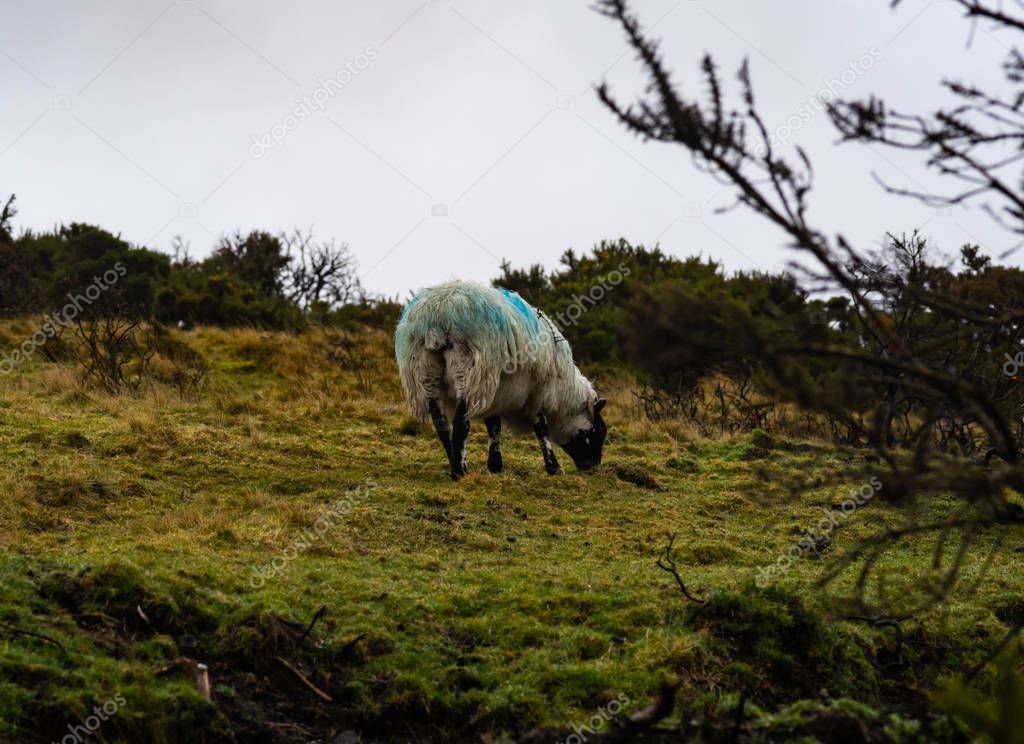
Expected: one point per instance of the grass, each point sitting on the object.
(144, 534)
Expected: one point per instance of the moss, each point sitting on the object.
(410, 427)
(794, 652)
(760, 438)
(708, 553)
(292, 486)
(120, 593)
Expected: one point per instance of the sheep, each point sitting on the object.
(467, 351)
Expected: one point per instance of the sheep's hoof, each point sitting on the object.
(554, 471)
(495, 465)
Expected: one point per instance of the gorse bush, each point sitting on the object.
(680, 323)
(674, 319)
(692, 334)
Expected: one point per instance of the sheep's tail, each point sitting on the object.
(424, 361)
(476, 373)
(458, 332)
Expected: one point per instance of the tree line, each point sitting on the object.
(255, 278)
(674, 322)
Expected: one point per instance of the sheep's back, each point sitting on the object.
(483, 329)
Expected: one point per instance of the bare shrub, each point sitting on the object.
(113, 352)
(320, 274)
(731, 404)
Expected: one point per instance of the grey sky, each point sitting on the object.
(140, 116)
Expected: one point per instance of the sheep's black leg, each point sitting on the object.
(494, 463)
(460, 432)
(440, 426)
(540, 428)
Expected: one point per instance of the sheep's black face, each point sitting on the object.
(586, 446)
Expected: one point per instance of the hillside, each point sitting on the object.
(145, 534)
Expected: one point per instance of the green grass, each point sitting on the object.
(132, 527)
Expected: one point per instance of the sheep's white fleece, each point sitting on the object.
(493, 348)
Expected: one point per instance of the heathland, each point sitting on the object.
(280, 527)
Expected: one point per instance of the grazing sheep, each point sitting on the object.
(467, 351)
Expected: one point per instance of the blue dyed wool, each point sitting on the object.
(523, 307)
(478, 339)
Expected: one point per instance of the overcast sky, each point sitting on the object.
(461, 131)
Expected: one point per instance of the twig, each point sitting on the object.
(350, 644)
(412, 733)
(31, 633)
(659, 709)
(175, 664)
(319, 614)
(740, 708)
(883, 621)
(665, 563)
(305, 680)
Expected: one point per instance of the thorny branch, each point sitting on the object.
(952, 381)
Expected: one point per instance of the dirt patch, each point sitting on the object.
(277, 682)
(76, 440)
(636, 476)
(272, 679)
(115, 605)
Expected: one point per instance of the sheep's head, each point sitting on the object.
(587, 443)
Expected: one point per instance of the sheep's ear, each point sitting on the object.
(599, 405)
